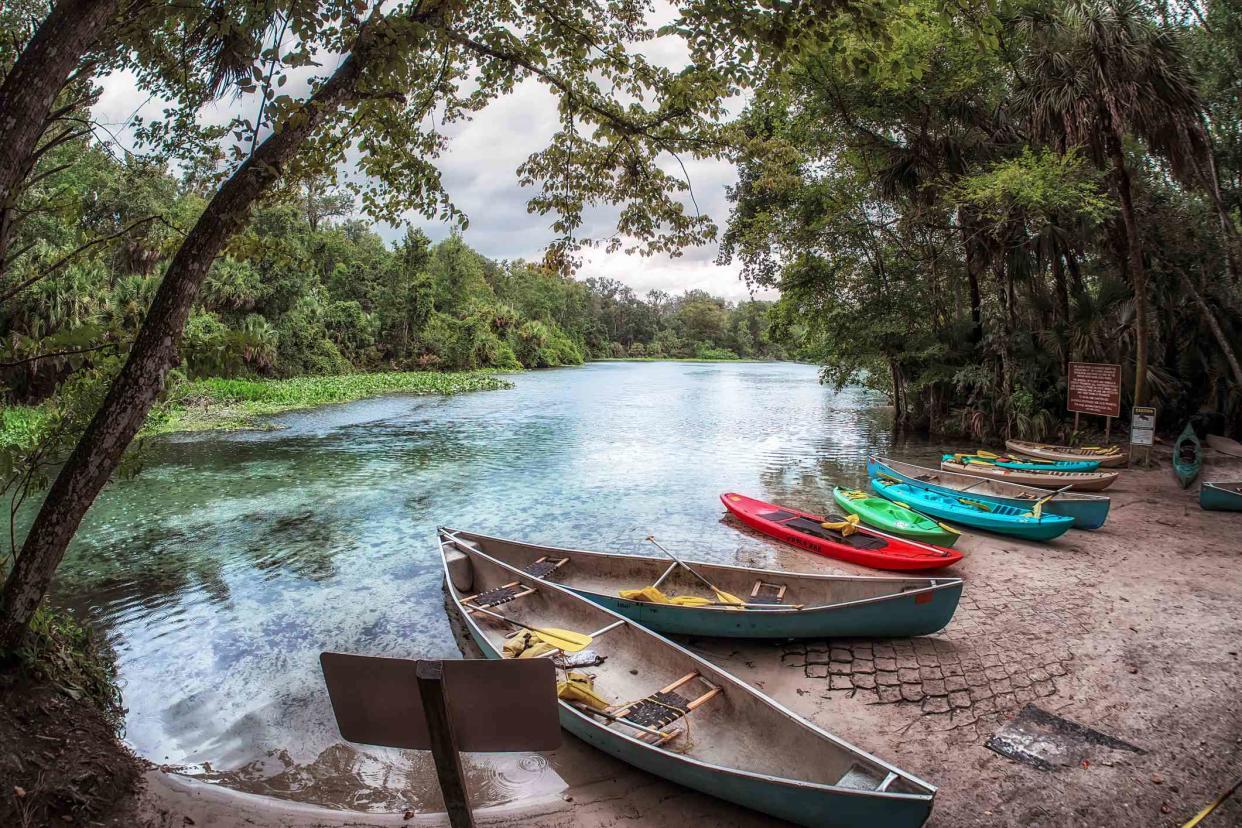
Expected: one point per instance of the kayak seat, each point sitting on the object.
(662, 708)
(499, 595)
(764, 593)
(545, 566)
(856, 540)
(778, 516)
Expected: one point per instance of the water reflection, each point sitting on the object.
(223, 570)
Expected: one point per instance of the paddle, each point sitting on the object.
(567, 640)
(725, 597)
(1037, 508)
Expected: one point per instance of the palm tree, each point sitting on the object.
(1097, 72)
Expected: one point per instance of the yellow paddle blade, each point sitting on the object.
(982, 453)
(974, 504)
(567, 640)
(947, 528)
(728, 598)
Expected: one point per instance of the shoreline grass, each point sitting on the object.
(237, 404)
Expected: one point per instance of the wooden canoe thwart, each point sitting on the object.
(1106, 456)
(1089, 511)
(780, 604)
(1221, 497)
(1079, 481)
(666, 711)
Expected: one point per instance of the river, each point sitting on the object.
(232, 560)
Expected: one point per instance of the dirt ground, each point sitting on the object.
(1134, 630)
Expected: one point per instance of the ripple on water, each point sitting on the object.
(226, 567)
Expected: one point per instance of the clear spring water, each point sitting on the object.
(224, 569)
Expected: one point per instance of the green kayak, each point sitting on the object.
(896, 518)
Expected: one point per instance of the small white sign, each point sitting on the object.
(1142, 426)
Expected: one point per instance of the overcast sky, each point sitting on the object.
(479, 172)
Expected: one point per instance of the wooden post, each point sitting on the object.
(430, 675)
(1075, 424)
(1108, 428)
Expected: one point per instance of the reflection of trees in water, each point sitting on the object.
(158, 565)
(303, 543)
(151, 569)
(383, 780)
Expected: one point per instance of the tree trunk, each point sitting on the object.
(970, 248)
(1214, 326)
(899, 415)
(31, 87)
(154, 352)
(1138, 273)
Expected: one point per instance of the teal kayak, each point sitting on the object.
(1221, 497)
(1025, 463)
(894, 518)
(1089, 511)
(1032, 523)
(1187, 456)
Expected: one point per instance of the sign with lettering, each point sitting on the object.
(1095, 388)
(1142, 426)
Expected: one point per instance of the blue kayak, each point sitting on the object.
(1089, 511)
(1025, 463)
(1020, 522)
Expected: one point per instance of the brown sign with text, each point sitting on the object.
(1095, 388)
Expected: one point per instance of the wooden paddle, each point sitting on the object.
(567, 640)
(724, 597)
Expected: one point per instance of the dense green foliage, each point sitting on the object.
(996, 190)
(300, 294)
(237, 403)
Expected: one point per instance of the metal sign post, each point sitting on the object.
(446, 707)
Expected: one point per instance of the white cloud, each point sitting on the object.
(478, 169)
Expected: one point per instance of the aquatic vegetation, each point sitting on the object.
(208, 404)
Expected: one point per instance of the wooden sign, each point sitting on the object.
(494, 705)
(1142, 426)
(445, 707)
(1095, 388)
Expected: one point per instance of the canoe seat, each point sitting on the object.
(500, 595)
(545, 566)
(861, 778)
(662, 708)
(765, 593)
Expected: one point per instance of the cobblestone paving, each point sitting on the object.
(1008, 644)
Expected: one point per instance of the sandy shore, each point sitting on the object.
(1134, 630)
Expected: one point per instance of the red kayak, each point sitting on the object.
(863, 546)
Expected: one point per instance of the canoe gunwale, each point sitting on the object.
(480, 639)
(1047, 451)
(1082, 481)
(940, 584)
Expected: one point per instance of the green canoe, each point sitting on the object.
(1221, 497)
(895, 518)
(1187, 456)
